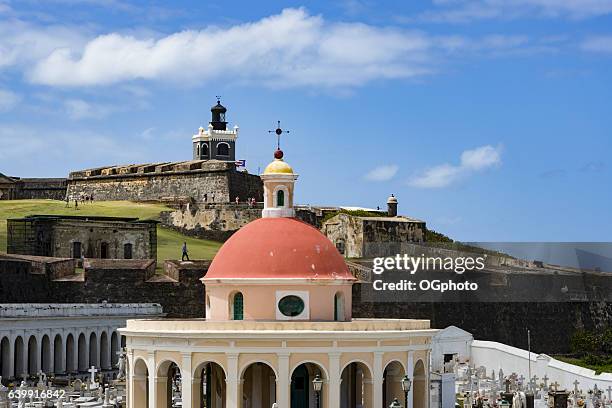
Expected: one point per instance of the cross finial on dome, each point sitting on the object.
(278, 131)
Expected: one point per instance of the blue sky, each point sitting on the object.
(489, 119)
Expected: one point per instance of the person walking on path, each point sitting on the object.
(185, 254)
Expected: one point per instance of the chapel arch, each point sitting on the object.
(419, 385)
(140, 382)
(168, 378)
(210, 390)
(392, 383)
(258, 385)
(356, 386)
(302, 392)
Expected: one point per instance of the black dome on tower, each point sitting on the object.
(218, 116)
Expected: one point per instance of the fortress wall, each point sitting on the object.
(181, 295)
(172, 186)
(245, 186)
(36, 189)
(197, 181)
(217, 222)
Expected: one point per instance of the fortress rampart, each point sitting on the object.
(196, 180)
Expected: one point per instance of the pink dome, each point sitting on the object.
(279, 248)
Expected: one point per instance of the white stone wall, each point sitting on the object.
(63, 338)
(495, 355)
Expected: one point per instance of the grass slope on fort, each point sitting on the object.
(169, 242)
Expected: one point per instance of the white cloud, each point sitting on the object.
(78, 109)
(8, 100)
(463, 11)
(481, 158)
(600, 44)
(471, 161)
(382, 173)
(437, 177)
(23, 44)
(292, 48)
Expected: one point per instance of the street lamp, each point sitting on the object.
(406, 384)
(317, 385)
(395, 404)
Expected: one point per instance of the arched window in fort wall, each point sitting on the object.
(76, 250)
(237, 306)
(222, 149)
(104, 250)
(127, 251)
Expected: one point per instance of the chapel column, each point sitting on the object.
(131, 380)
(334, 380)
(233, 398)
(186, 380)
(377, 378)
(284, 380)
(410, 374)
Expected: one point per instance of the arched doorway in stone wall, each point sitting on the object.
(93, 350)
(33, 356)
(258, 386)
(104, 350)
(82, 354)
(209, 386)
(419, 385)
(356, 386)
(58, 361)
(5, 358)
(19, 364)
(71, 358)
(46, 358)
(114, 348)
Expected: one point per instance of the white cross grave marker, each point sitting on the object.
(93, 372)
(576, 386)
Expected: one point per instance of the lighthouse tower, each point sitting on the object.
(215, 142)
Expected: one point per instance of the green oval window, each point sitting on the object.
(291, 305)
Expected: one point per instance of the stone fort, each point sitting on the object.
(211, 176)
